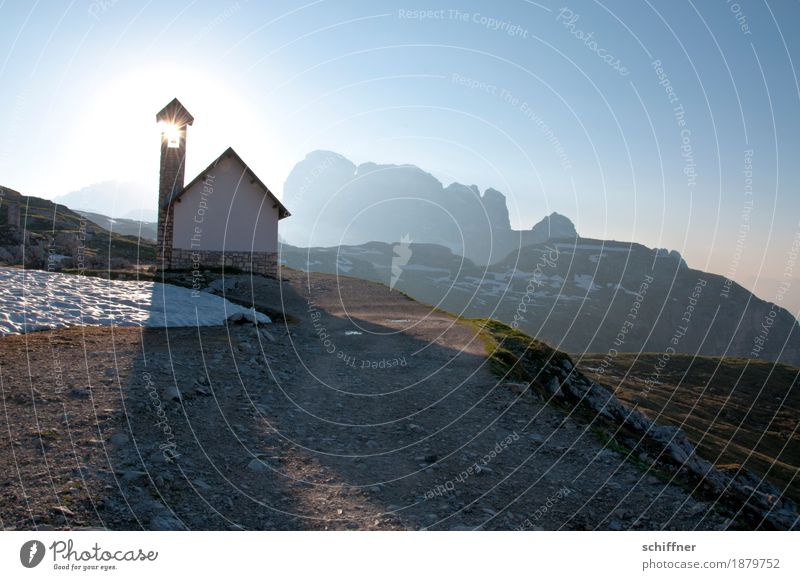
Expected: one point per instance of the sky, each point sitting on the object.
(669, 123)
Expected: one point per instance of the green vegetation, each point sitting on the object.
(513, 354)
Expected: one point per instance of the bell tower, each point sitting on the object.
(173, 121)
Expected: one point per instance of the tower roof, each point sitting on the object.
(175, 113)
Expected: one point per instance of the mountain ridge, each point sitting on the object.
(335, 201)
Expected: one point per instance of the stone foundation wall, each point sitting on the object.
(265, 263)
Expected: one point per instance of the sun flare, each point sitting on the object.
(228, 120)
(172, 134)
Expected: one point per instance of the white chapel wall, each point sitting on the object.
(225, 212)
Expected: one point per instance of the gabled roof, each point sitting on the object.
(230, 153)
(175, 113)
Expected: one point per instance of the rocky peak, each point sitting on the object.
(495, 204)
(317, 174)
(670, 255)
(554, 226)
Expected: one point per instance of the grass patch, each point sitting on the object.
(515, 355)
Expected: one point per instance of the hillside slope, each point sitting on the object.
(737, 411)
(579, 295)
(51, 236)
(126, 227)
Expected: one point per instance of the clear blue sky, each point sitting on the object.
(511, 95)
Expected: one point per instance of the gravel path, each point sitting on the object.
(365, 411)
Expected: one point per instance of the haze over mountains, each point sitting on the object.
(115, 199)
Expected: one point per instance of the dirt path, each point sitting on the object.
(366, 411)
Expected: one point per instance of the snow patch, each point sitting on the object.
(344, 265)
(584, 281)
(36, 300)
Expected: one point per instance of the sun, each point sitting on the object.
(232, 117)
(171, 133)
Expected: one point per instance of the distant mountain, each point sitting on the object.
(52, 236)
(554, 226)
(115, 199)
(580, 295)
(127, 227)
(335, 202)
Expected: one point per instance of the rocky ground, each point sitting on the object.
(362, 409)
